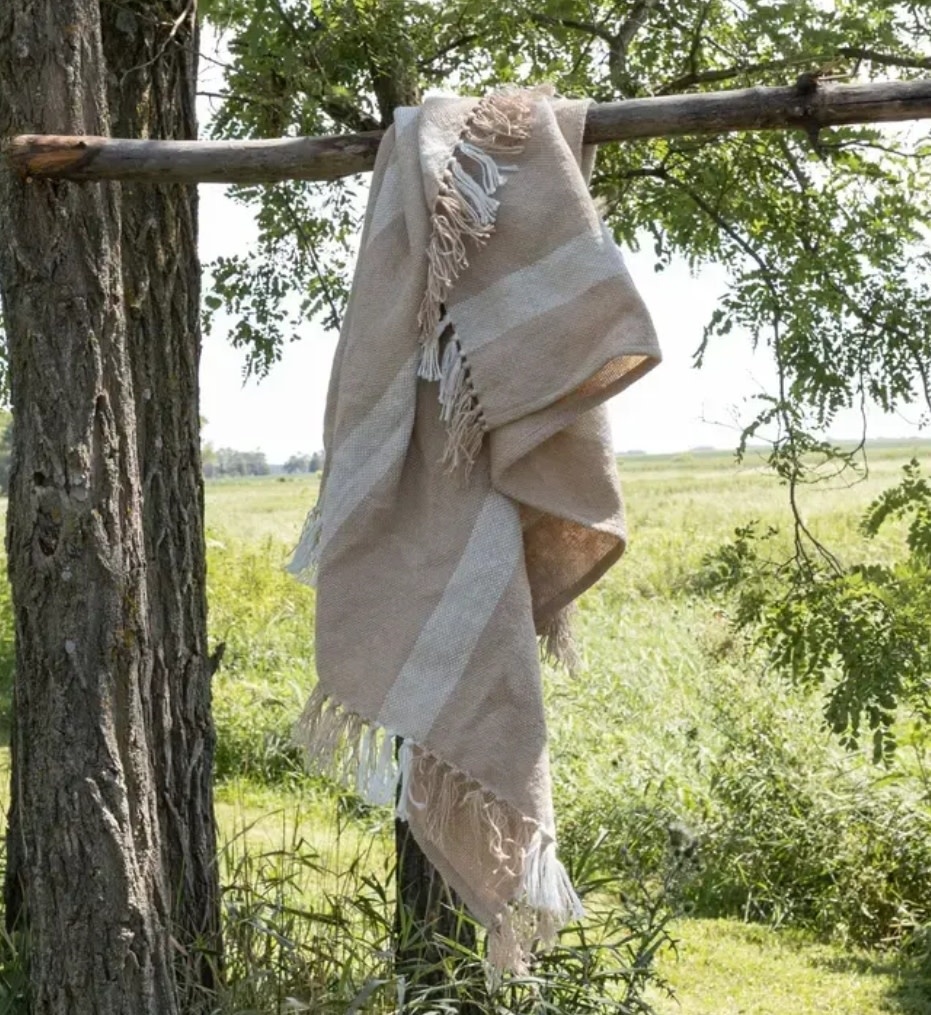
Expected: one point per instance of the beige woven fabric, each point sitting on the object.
(471, 489)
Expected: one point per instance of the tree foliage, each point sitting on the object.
(304, 463)
(823, 238)
(864, 625)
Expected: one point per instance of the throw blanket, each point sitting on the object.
(470, 490)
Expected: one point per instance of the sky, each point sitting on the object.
(673, 408)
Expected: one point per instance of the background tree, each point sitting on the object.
(304, 463)
(86, 875)
(107, 510)
(297, 463)
(230, 462)
(823, 238)
(209, 460)
(151, 53)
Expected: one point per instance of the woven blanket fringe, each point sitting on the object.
(466, 210)
(361, 755)
(557, 642)
(460, 411)
(304, 560)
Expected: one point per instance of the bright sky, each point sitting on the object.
(674, 408)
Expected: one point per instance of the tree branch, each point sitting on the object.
(713, 76)
(463, 40)
(589, 27)
(617, 52)
(885, 59)
(637, 18)
(707, 77)
(326, 158)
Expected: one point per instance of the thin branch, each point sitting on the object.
(190, 11)
(463, 40)
(212, 59)
(286, 17)
(738, 70)
(637, 18)
(695, 47)
(617, 52)
(708, 77)
(885, 59)
(307, 243)
(725, 226)
(589, 27)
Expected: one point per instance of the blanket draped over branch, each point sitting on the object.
(470, 491)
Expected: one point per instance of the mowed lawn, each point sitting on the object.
(649, 657)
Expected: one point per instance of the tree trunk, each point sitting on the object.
(427, 915)
(89, 884)
(427, 911)
(151, 54)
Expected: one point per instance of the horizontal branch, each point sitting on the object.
(810, 106)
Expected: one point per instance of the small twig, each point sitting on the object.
(588, 27)
(885, 59)
(463, 40)
(190, 11)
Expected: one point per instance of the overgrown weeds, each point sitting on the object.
(302, 934)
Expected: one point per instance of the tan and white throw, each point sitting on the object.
(470, 490)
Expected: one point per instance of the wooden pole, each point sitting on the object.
(807, 105)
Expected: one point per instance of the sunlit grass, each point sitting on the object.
(650, 729)
(727, 968)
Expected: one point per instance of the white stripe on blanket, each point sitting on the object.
(562, 276)
(445, 645)
(377, 443)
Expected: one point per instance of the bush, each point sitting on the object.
(806, 834)
(253, 721)
(773, 819)
(264, 618)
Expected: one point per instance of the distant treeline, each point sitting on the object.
(304, 463)
(229, 462)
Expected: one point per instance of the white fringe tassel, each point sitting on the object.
(557, 644)
(460, 411)
(547, 903)
(466, 209)
(340, 744)
(306, 556)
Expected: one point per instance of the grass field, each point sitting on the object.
(672, 717)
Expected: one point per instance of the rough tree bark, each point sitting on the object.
(428, 914)
(151, 55)
(89, 882)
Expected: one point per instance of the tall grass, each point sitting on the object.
(686, 774)
(303, 935)
(672, 723)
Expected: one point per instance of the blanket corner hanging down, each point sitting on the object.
(471, 491)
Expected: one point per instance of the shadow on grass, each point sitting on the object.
(909, 993)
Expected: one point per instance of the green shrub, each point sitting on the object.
(254, 720)
(264, 618)
(805, 834)
(861, 630)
